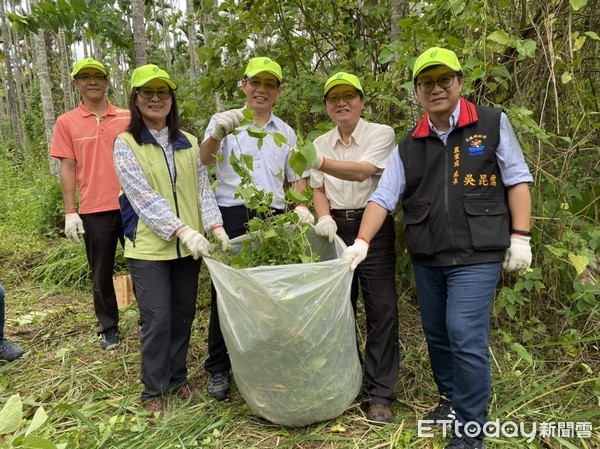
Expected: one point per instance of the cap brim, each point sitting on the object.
(169, 82)
(275, 74)
(433, 64)
(91, 66)
(339, 83)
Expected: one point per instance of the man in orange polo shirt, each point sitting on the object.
(83, 142)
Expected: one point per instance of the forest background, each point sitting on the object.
(538, 60)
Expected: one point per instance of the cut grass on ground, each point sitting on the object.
(92, 396)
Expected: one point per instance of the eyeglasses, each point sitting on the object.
(256, 83)
(148, 94)
(87, 77)
(335, 99)
(445, 83)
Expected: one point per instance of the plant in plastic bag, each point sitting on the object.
(277, 239)
(290, 334)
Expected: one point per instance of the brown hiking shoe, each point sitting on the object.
(380, 413)
(157, 404)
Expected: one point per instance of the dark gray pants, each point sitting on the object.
(166, 292)
(377, 278)
(102, 232)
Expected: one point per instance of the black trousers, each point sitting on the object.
(376, 276)
(235, 220)
(102, 232)
(166, 292)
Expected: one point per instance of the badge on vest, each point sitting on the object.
(476, 146)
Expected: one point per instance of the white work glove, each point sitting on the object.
(226, 122)
(221, 236)
(304, 215)
(326, 227)
(73, 226)
(518, 256)
(195, 242)
(356, 253)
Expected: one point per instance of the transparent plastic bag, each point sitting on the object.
(290, 333)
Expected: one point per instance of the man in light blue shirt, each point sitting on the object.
(462, 180)
(262, 86)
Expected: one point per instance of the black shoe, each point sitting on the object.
(442, 414)
(218, 385)
(109, 340)
(10, 351)
(465, 442)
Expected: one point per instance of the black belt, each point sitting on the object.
(348, 214)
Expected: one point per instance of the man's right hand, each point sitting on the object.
(356, 253)
(226, 122)
(73, 226)
(194, 241)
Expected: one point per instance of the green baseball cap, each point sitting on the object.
(436, 56)
(262, 64)
(342, 78)
(146, 73)
(87, 63)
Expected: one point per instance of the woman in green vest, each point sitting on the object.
(166, 204)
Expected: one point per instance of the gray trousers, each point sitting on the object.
(166, 292)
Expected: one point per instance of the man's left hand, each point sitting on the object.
(518, 256)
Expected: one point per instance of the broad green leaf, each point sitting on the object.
(247, 160)
(298, 163)
(279, 139)
(11, 415)
(271, 233)
(579, 42)
(526, 48)
(578, 4)
(500, 36)
(558, 252)
(33, 442)
(248, 113)
(592, 35)
(39, 418)
(522, 352)
(580, 262)
(511, 310)
(386, 55)
(256, 133)
(296, 197)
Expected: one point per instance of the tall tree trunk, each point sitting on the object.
(192, 39)
(397, 12)
(167, 45)
(44, 79)
(65, 72)
(139, 32)
(11, 91)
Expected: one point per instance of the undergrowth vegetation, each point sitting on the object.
(537, 60)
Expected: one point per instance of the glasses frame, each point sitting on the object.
(438, 81)
(256, 83)
(87, 77)
(142, 93)
(346, 98)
